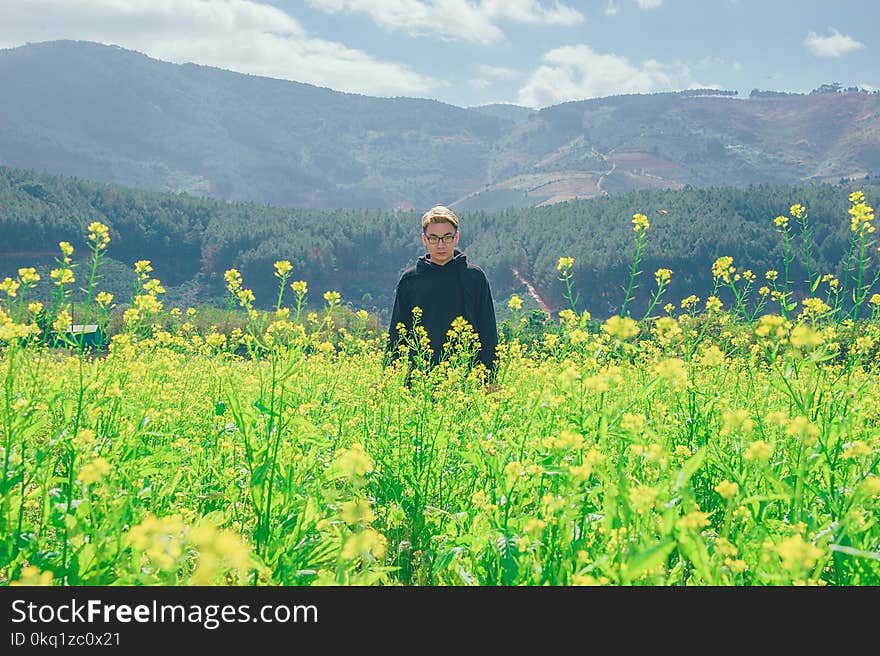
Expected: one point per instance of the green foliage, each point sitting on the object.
(192, 241)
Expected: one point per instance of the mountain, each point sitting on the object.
(114, 115)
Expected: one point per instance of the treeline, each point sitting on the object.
(192, 240)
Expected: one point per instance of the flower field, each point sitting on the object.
(726, 441)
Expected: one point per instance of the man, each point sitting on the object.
(444, 286)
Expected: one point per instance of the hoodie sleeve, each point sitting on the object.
(486, 327)
(397, 316)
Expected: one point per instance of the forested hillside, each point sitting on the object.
(192, 240)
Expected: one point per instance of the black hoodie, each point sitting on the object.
(444, 292)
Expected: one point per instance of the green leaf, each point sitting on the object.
(648, 559)
(696, 552)
(689, 468)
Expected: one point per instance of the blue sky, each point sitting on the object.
(534, 53)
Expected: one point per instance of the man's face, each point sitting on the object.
(446, 237)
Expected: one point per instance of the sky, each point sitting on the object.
(533, 53)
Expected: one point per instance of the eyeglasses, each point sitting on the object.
(434, 239)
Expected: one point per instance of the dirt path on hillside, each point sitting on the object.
(532, 292)
(602, 177)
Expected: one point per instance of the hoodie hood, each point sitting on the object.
(458, 261)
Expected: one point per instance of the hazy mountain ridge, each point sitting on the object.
(115, 115)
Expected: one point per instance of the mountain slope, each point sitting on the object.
(115, 115)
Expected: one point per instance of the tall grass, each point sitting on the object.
(701, 446)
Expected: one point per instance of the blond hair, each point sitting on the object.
(439, 214)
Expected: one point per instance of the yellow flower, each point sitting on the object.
(66, 248)
(215, 340)
(160, 540)
(666, 329)
(220, 552)
(94, 471)
(797, 554)
(332, 298)
(515, 303)
(759, 450)
(662, 276)
(857, 197)
(861, 214)
(805, 338)
(147, 303)
(358, 511)
(723, 267)
(564, 264)
(35, 307)
(104, 298)
(62, 321)
(712, 356)
(365, 544)
(142, 268)
(233, 280)
(569, 316)
(245, 297)
(353, 462)
(282, 268)
(299, 287)
(99, 234)
(154, 287)
(621, 327)
(28, 275)
(131, 315)
(713, 303)
(642, 497)
(32, 576)
(814, 308)
(690, 301)
(771, 326)
(640, 222)
(798, 211)
(771, 275)
(736, 421)
(694, 520)
(633, 423)
(727, 489)
(802, 428)
(682, 451)
(781, 222)
(10, 286)
(870, 486)
(857, 449)
(672, 370)
(62, 276)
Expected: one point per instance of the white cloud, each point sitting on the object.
(499, 72)
(453, 20)
(578, 72)
(238, 35)
(611, 8)
(649, 4)
(833, 45)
